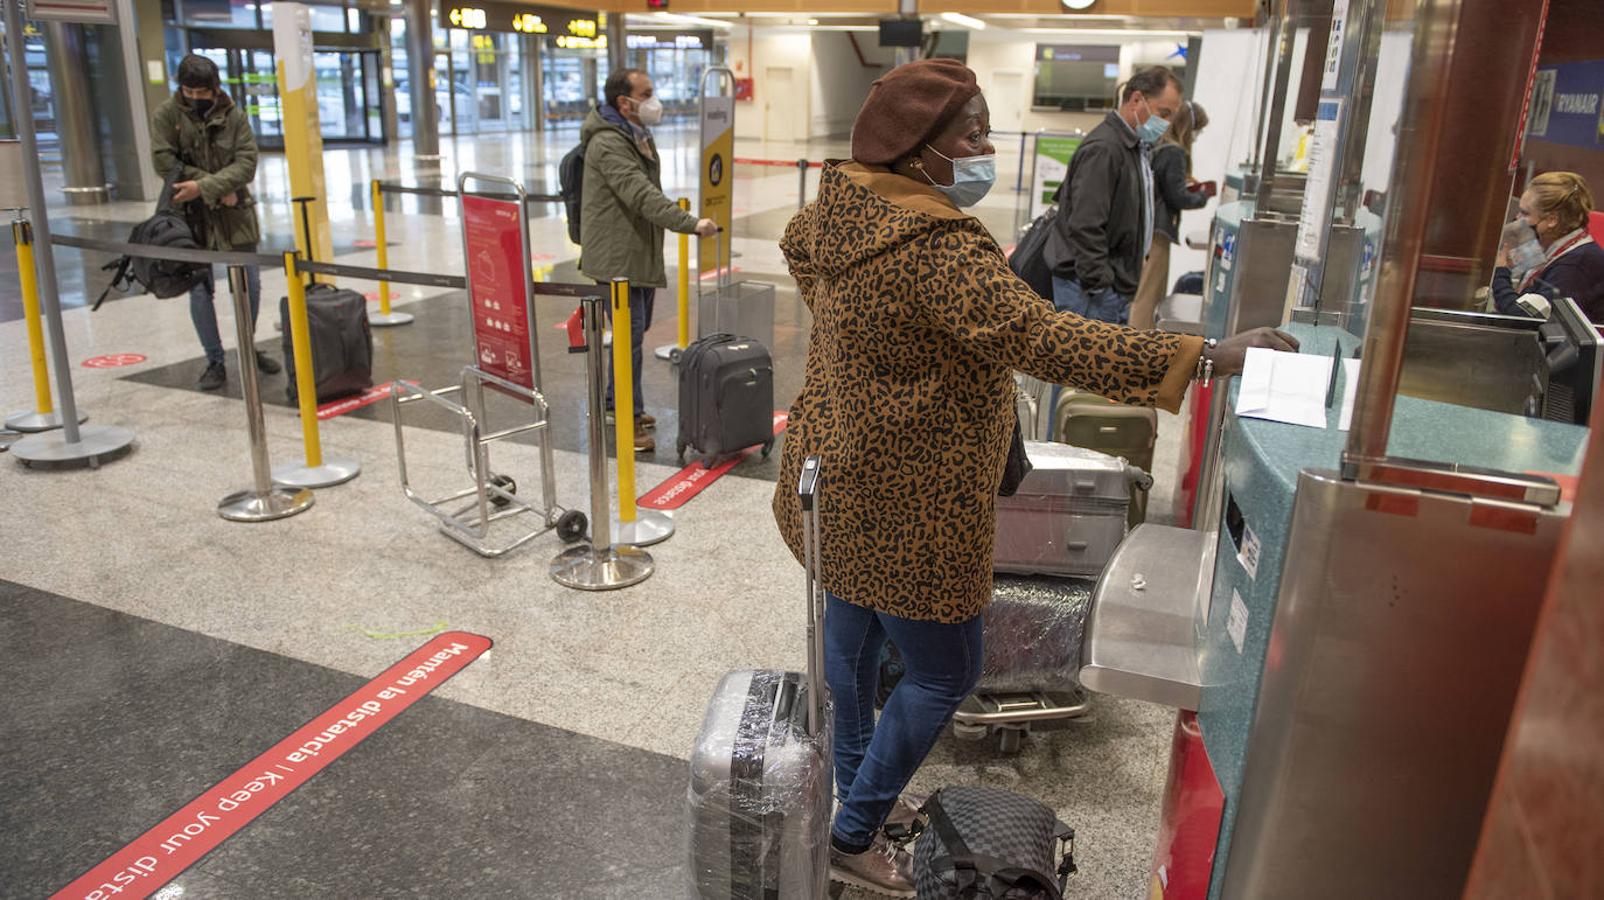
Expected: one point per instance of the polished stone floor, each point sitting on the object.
(151, 646)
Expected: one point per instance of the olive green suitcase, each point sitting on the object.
(1087, 420)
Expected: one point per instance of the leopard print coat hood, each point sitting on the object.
(908, 396)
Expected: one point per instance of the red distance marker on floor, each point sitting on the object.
(694, 478)
(180, 840)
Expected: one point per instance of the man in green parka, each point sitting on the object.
(202, 134)
(624, 212)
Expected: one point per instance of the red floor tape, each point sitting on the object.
(351, 404)
(179, 841)
(694, 478)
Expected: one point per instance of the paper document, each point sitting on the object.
(1284, 387)
(1350, 390)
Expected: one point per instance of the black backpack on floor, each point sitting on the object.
(571, 181)
(988, 844)
(162, 277)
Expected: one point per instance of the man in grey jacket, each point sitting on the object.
(624, 212)
(1104, 225)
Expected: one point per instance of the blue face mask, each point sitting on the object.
(1154, 128)
(972, 177)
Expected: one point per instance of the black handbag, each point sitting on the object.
(1018, 464)
(989, 844)
(1029, 259)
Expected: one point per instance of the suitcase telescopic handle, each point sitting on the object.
(807, 491)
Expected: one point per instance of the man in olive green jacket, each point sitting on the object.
(203, 136)
(624, 212)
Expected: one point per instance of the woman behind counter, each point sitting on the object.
(908, 396)
(1557, 258)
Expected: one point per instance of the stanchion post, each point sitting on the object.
(72, 445)
(1019, 183)
(634, 528)
(317, 471)
(672, 351)
(801, 183)
(385, 317)
(43, 416)
(599, 565)
(261, 501)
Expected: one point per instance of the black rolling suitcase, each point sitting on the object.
(726, 396)
(342, 342)
(762, 774)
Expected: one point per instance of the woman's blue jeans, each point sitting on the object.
(873, 763)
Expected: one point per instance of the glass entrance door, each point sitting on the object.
(347, 96)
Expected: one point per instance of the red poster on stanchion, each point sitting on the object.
(498, 279)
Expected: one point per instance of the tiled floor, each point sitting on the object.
(151, 646)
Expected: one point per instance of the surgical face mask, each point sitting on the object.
(1525, 251)
(650, 111)
(1154, 128)
(972, 177)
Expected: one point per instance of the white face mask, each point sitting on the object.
(972, 177)
(649, 110)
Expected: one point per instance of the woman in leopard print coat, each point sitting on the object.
(908, 397)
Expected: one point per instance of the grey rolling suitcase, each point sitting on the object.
(761, 772)
(1069, 513)
(726, 396)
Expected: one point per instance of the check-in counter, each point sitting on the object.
(1294, 608)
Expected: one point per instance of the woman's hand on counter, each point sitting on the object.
(1228, 355)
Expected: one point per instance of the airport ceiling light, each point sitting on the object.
(677, 19)
(969, 22)
(1137, 33)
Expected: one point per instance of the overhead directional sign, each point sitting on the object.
(488, 15)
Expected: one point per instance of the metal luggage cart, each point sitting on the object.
(494, 496)
(1043, 618)
(1011, 716)
(506, 352)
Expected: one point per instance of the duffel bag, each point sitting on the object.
(988, 844)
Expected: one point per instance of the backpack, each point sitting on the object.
(988, 844)
(571, 179)
(162, 277)
(1029, 259)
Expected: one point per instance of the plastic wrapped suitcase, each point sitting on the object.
(342, 342)
(1033, 631)
(761, 772)
(1069, 513)
(726, 396)
(1130, 432)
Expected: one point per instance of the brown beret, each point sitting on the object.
(907, 105)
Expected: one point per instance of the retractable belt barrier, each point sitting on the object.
(802, 167)
(423, 191)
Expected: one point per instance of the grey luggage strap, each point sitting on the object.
(970, 870)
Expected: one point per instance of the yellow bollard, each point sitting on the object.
(43, 417)
(385, 316)
(22, 233)
(305, 378)
(316, 472)
(624, 400)
(684, 283)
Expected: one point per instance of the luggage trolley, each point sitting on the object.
(501, 298)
